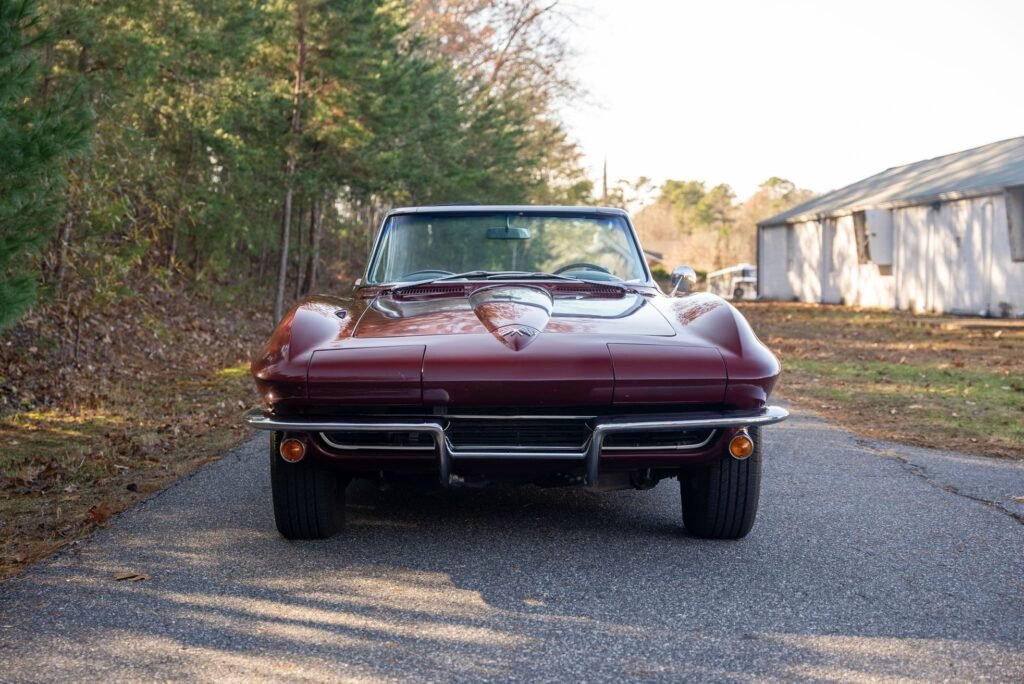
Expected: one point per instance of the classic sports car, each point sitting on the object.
(525, 344)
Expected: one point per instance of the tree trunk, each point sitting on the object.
(370, 231)
(173, 251)
(315, 226)
(62, 250)
(282, 270)
(300, 262)
(261, 270)
(296, 128)
(312, 266)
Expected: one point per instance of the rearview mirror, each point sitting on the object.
(509, 233)
(684, 279)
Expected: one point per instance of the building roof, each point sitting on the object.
(982, 170)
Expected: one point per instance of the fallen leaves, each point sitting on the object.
(100, 513)
(94, 424)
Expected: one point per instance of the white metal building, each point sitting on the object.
(943, 235)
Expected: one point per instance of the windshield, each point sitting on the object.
(423, 246)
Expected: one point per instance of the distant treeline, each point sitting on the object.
(237, 143)
(706, 228)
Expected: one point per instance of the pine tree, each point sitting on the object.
(37, 133)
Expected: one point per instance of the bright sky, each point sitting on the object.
(822, 93)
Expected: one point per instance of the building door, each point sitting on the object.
(829, 282)
(942, 257)
(960, 253)
(972, 229)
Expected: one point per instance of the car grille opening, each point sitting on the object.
(379, 440)
(657, 439)
(518, 434)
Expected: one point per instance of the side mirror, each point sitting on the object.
(684, 279)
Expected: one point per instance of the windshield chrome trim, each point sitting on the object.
(585, 212)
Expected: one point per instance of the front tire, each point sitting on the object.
(720, 501)
(305, 496)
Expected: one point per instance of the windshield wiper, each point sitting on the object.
(529, 274)
(509, 275)
(428, 281)
(541, 275)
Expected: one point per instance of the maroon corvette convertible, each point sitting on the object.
(523, 344)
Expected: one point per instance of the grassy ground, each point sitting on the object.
(156, 389)
(891, 375)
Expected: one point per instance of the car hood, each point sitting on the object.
(513, 345)
(516, 344)
(516, 315)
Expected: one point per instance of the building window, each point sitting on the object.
(860, 232)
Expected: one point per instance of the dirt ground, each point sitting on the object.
(96, 416)
(890, 375)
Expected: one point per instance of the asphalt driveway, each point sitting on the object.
(868, 561)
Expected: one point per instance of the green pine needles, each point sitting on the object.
(37, 134)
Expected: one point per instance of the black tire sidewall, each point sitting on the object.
(721, 500)
(305, 496)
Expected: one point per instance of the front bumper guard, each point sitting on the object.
(263, 420)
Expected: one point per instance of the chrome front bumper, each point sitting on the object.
(591, 455)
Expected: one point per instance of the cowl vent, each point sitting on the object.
(433, 291)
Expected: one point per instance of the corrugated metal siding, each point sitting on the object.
(862, 284)
(951, 256)
(955, 258)
(817, 261)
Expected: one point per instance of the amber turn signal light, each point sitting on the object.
(292, 450)
(741, 446)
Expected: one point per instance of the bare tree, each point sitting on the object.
(293, 162)
(315, 229)
(504, 44)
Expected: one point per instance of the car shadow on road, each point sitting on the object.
(559, 510)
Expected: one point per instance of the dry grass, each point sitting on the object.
(156, 391)
(891, 375)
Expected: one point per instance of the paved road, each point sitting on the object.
(868, 561)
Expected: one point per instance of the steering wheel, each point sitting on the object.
(582, 266)
(426, 271)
